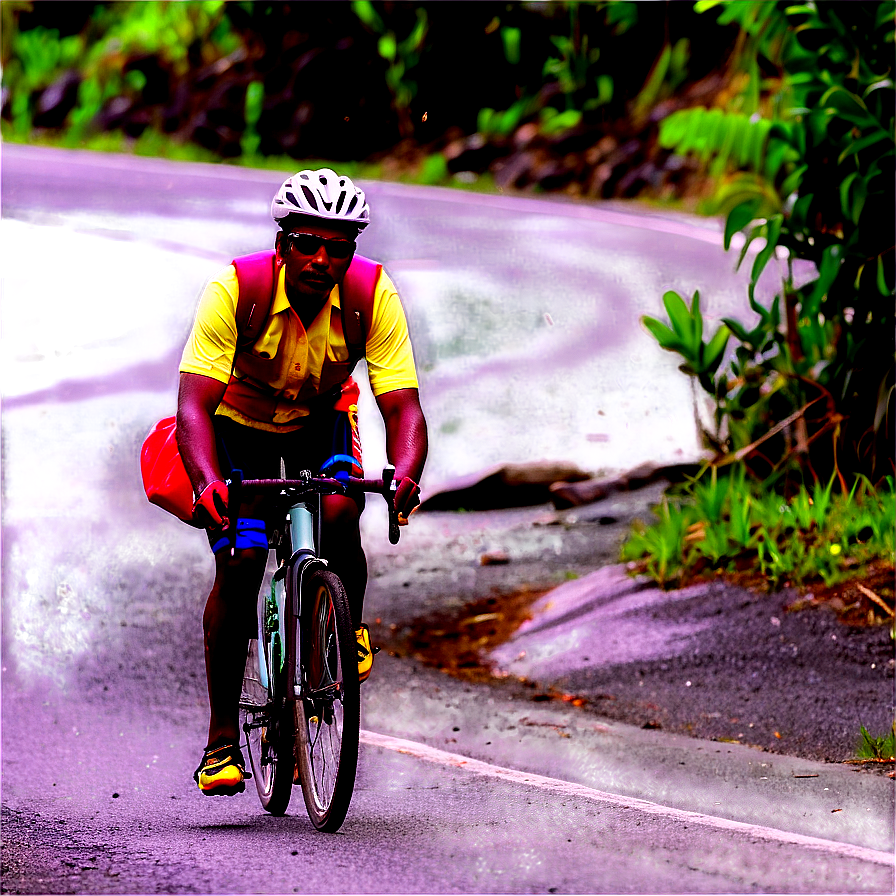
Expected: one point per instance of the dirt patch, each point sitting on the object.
(458, 641)
(867, 599)
(790, 674)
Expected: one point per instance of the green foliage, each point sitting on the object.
(36, 58)
(727, 523)
(659, 546)
(254, 103)
(400, 55)
(668, 73)
(574, 82)
(806, 160)
(554, 122)
(491, 123)
(878, 748)
(434, 170)
(685, 336)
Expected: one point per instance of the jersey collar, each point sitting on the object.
(281, 302)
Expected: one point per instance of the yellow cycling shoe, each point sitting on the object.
(365, 652)
(222, 771)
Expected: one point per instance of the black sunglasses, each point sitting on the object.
(310, 243)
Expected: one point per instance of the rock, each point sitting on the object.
(57, 100)
(506, 485)
(575, 494)
(494, 558)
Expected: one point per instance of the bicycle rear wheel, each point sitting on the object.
(329, 712)
(269, 725)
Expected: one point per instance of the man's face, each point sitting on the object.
(313, 266)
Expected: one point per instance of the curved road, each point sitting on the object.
(103, 703)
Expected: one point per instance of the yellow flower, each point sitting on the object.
(835, 549)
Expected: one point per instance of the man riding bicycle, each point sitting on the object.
(288, 396)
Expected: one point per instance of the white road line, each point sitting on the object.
(567, 788)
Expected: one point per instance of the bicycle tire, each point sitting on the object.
(269, 726)
(328, 715)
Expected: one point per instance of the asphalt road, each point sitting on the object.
(460, 789)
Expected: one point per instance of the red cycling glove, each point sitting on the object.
(212, 503)
(407, 497)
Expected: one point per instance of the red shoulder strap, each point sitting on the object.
(257, 277)
(357, 293)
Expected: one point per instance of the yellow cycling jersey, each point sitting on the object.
(272, 382)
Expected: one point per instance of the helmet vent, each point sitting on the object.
(310, 197)
(340, 202)
(352, 205)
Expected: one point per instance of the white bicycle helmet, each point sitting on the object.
(321, 194)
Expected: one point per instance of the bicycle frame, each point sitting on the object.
(302, 708)
(303, 533)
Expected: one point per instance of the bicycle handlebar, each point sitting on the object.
(324, 485)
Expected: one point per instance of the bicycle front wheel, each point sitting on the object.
(329, 711)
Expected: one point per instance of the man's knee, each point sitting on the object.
(341, 514)
(238, 575)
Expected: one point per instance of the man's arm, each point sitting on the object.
(406, 443)
(198, 398)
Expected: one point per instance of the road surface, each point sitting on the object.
(460, 789)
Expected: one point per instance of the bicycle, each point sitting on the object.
(300, 705)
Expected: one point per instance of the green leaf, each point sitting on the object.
(738, 329)
(697, 322)
(663, 335)
(715, 349)
(775, 155)
(484, 120)
(757, 231)
(364, 10)
(387, 47)
(739, 217)
(511, 38)
(882, 287)
(563, 121)
(856, 146)
(827, 274)
(847, 105)
(682, 323)
(672, 129)
(793, 180)
(773, 231)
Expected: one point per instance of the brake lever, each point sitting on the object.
(390, 487)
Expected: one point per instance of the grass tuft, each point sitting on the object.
(881, 748)
(730, 525)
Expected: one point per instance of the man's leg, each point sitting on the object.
(229, 622)
(341, 547)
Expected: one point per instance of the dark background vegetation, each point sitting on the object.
(407, 82)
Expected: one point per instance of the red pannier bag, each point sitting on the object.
(165, 478)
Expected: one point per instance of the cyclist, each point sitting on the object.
(289, 397)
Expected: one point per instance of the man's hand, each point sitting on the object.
(211, 505)
(407, 498)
